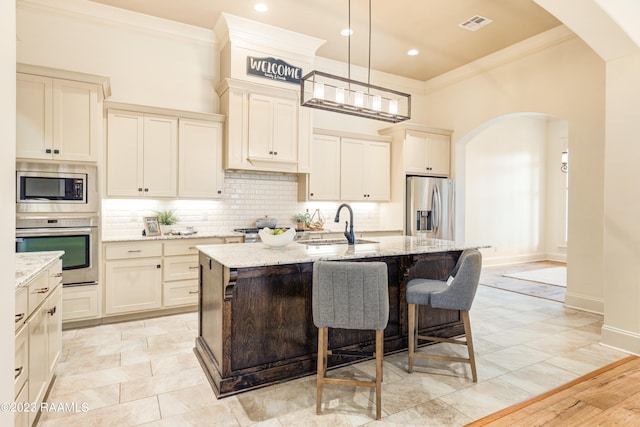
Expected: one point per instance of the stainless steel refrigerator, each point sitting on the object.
(430, 207)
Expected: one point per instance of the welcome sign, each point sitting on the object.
(274, 69)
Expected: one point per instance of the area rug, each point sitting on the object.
(607, 396)
(556, 276)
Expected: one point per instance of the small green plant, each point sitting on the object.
(167, 217)
(298, 217)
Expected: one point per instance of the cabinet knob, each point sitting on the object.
(52, 311)
(56, 151)
(48, 151)
(140, 189)
(270, 152)
(275, 152)
(146, 190)
(311, 194)
(219, 191)
(158, 266)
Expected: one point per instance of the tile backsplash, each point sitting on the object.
(247, 196)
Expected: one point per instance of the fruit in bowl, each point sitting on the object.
(277, 237)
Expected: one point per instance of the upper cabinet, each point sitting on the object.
(200, 172)
(57, 119)
(348, 167)
(420, 150)
(365, 168)
(142, 154)
(154, 152)
(266, 128)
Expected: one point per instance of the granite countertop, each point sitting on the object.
(198, 235)
(259, 254)
(30, 264)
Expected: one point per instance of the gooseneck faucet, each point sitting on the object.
(351, 238)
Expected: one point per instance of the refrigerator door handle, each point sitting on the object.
(437, 211)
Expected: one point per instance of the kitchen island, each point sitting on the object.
(255, 317)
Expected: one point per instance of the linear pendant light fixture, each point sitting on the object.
(343, 95)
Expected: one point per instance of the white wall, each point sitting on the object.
(563, 80)
(149, 61)
(7, 208)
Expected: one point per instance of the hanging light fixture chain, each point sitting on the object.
(349, 44)
(369, 66)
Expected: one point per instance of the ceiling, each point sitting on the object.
(431, 26)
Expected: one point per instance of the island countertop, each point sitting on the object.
(243, 255)
(30, 264)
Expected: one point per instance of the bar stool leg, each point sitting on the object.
(322, 366)
(379, 355)
(412, 334)
(467, 332)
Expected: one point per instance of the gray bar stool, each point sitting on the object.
(456, 293)
(350, 295)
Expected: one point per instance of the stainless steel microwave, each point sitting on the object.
(49, 187)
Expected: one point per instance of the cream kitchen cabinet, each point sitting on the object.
(266, 129)
(57, 119)
(324, 176)
(142, 154)
(200, 173)
(81, 303)
(153, 275)
(365, 168)
(133, 277)
(43, 336)
(426, 153)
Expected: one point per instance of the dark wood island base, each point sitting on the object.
(256, 326)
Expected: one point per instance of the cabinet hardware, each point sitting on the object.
(136, 250)
(48, 151)
(158, 266)
(191, 248)
(193, 292)
(52, 311)
(41, 291)
(275, 152)
(219, 191)
(18, 372)
(19, 317)
(146, 189)
(140, 189)
(311, 194)
(191, 267)
(57, 275)
(56, 151)
(270, 152)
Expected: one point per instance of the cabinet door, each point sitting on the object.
(200, 173)
(160, 155)
(38, 357)
(125, 133)
(352, 169)
(324, 177)
(133, 285)
(34, 117)
(285, 130)
(439, 154)
(377, 170)
(53, 310)
(260, 126)
(75, 121)
(415, 153)
(80, 302)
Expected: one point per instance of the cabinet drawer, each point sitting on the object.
(79, 302)
(133, 250)
(38, 290)
(22, 360)
(22, 305)
(180, 292)
(235, 239)
(188, 246)
(181, 267)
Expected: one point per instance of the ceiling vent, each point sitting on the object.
(475, 23)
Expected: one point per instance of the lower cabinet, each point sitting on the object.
(144, 276)
(80, 302)
(38, 340)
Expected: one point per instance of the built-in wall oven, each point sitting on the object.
(77, 236)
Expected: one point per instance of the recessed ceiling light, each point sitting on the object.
(260, 7)
(413, 52)
(346, 32)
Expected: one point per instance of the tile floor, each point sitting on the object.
(145, 373)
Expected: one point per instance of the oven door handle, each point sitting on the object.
(37, 232)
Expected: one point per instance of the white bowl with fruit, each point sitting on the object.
(277, 237)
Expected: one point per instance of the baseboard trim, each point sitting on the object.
(584, 303)
(619, 339)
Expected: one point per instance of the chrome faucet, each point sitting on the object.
(351, 238)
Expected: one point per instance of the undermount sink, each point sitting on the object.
(319, 242)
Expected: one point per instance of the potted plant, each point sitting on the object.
(299, 220)
(167, 219)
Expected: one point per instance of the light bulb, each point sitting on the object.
(393, 106)
(376, 103)
(318, 90)
(359, 99)
(340, 95)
